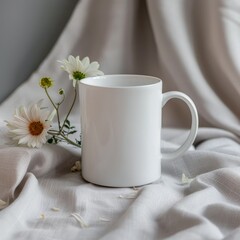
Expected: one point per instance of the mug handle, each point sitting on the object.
(194, 128)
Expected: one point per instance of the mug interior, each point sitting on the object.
(121, 81)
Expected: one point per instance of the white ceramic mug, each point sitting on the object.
(121, 129)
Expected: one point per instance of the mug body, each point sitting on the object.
(121, 129)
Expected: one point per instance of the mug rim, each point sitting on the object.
(146, 81)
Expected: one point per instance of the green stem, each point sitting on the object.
(74, 99)
(62, 100)
(53, 132)
(58, 119)
(70, 141)
(56, 133)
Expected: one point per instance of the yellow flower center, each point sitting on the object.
(46, 82)
(35, 128)
(78, 75)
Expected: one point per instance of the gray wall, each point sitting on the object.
(28, 30)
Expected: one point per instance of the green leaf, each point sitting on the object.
(78, 142)
(72, 132)
(67, 122)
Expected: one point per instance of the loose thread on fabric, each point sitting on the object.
(185, 179)
(79, 219)
(128, 195)
(103, 219)
(55, 209)
(3, 204)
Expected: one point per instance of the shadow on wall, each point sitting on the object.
(28, 31)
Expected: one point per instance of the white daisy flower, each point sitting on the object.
(80, 69)
(29, 125)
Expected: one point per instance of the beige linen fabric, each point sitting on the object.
(193, 46)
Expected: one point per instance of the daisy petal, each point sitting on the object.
(85, 62)
(79, 69)
(29, 126)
